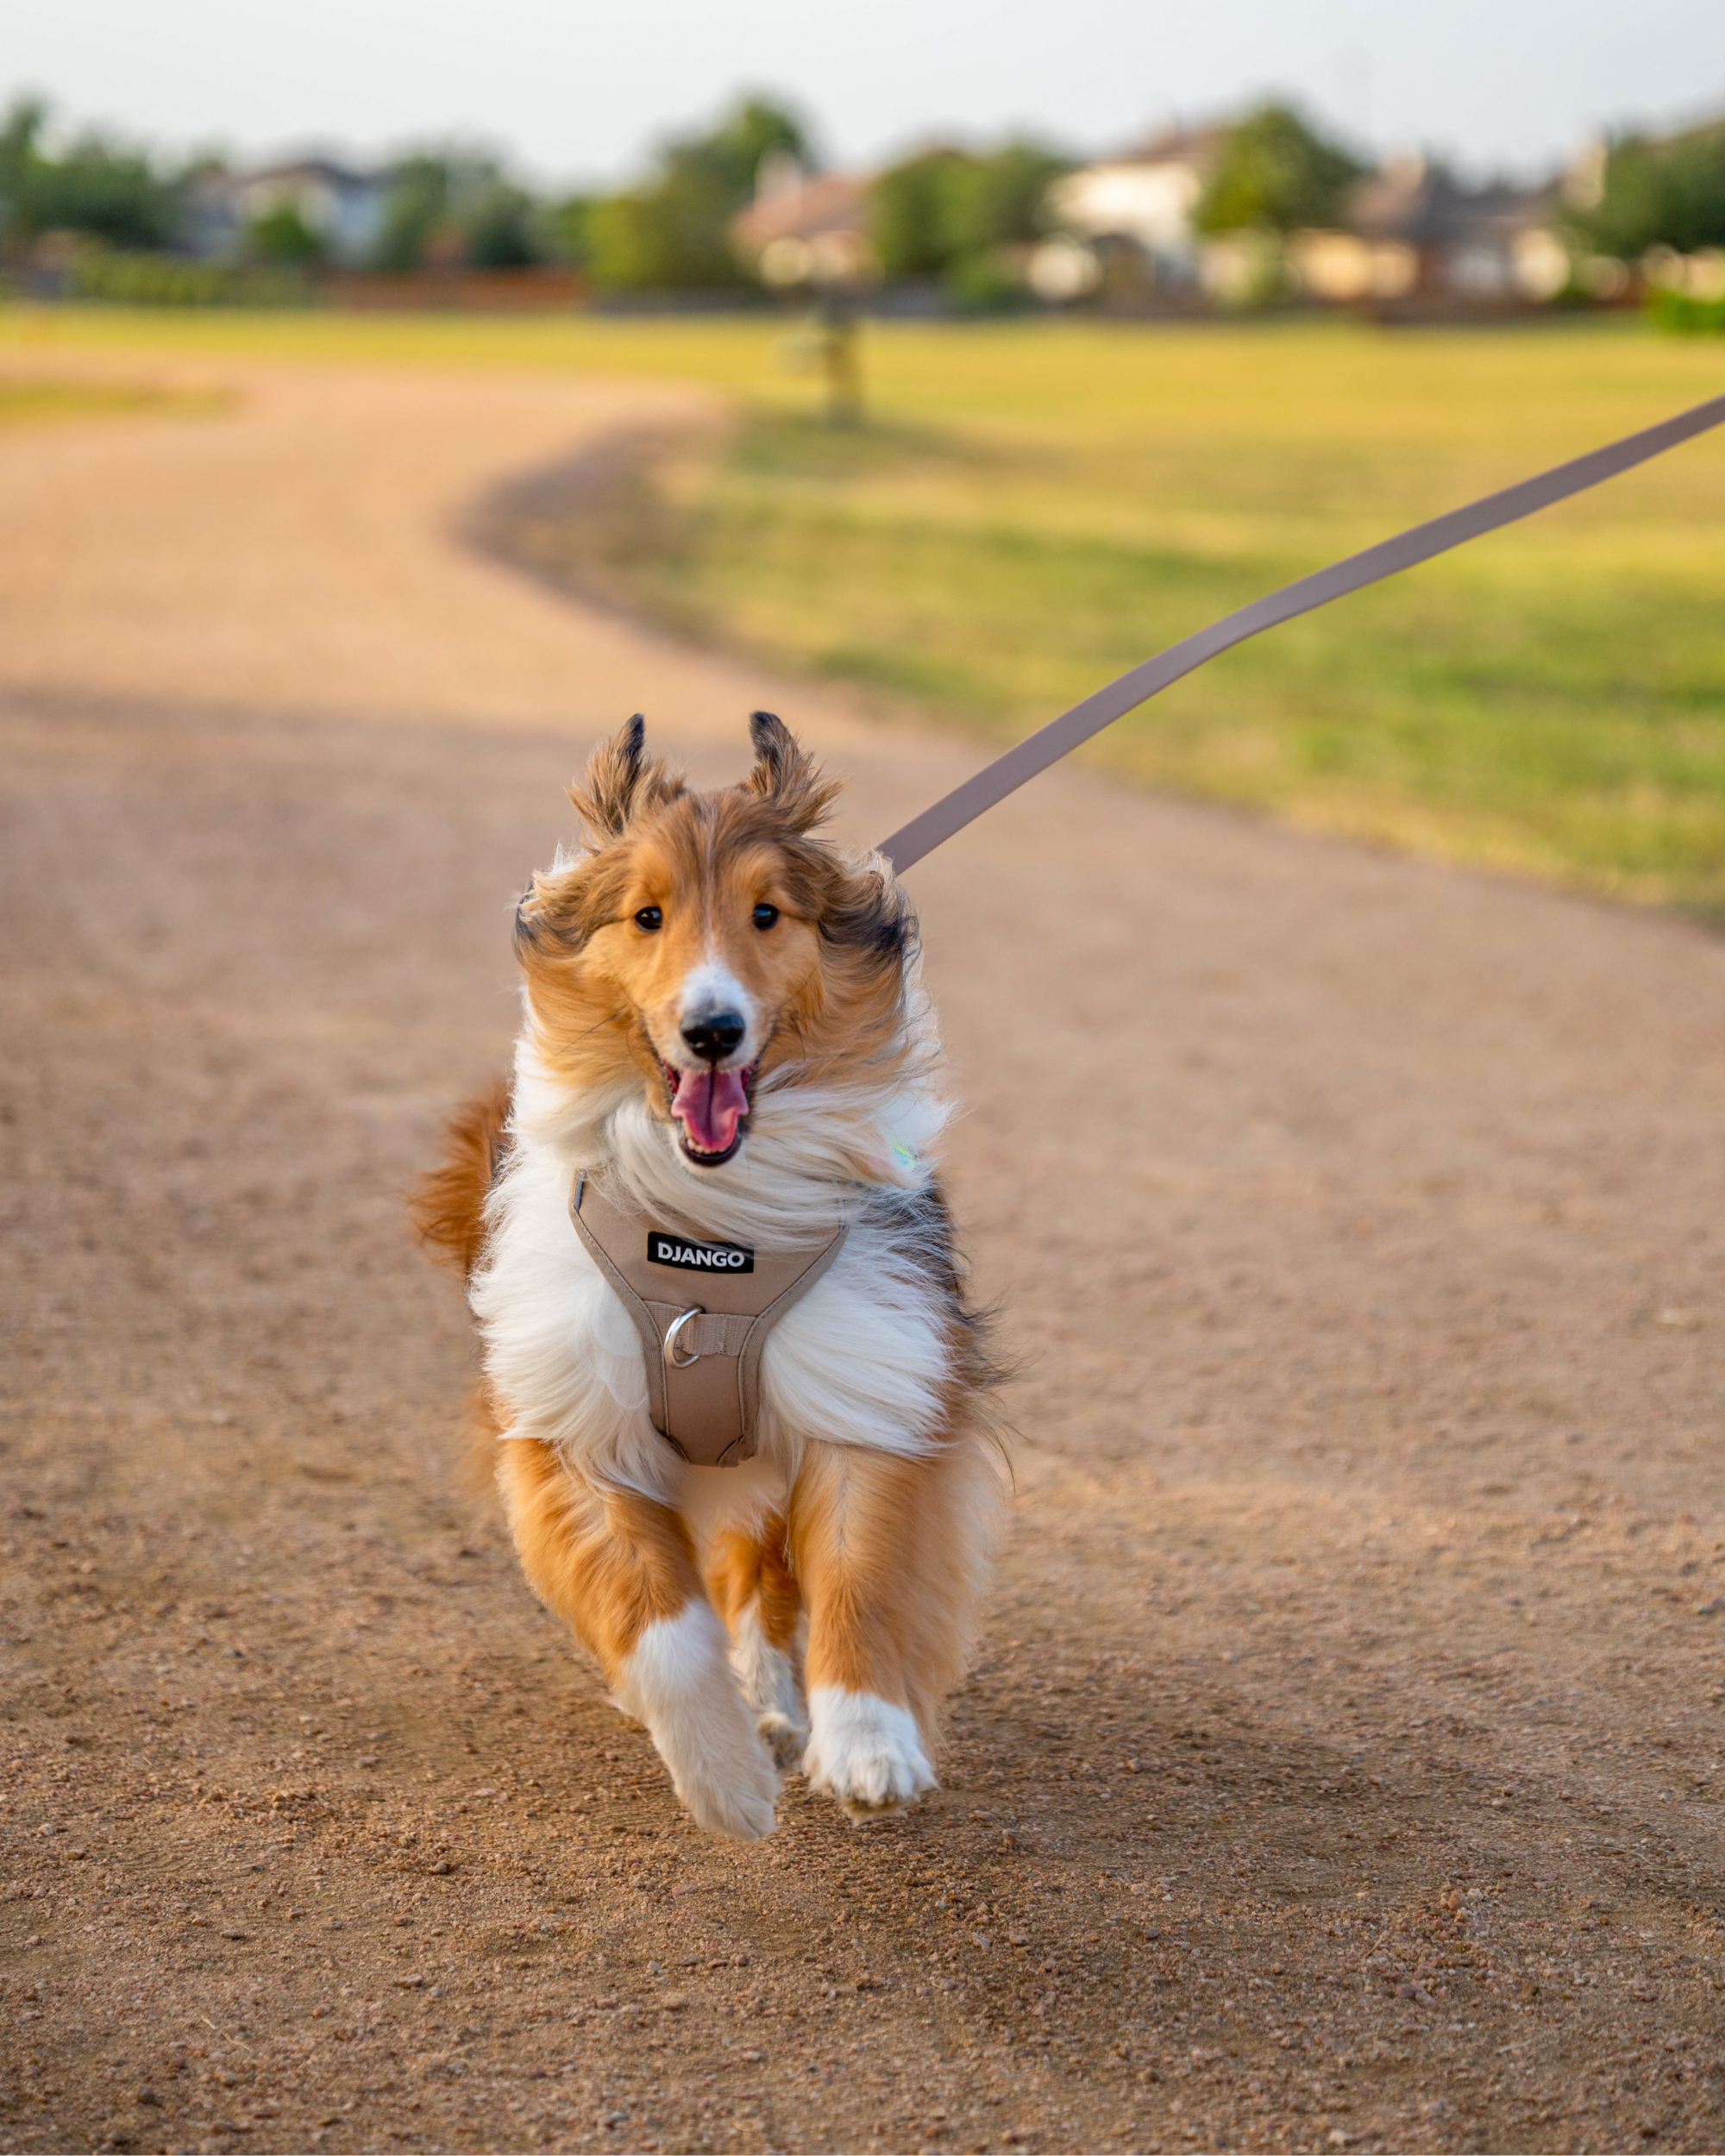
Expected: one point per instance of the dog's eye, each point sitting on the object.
(765, 915)
(650, 917)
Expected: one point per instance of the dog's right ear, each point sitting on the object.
(620, 780)
(605, 798)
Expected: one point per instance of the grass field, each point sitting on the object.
(29, 401)
(1030, 508)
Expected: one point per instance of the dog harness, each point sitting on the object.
(703, 1310)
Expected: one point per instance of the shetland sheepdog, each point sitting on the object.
(725, 1028)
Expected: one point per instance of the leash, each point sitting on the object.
(1389, 557)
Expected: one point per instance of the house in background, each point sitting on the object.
(1125, 223)
(1413, 233)
(344, 207)
(1411, 237)
(806, 228)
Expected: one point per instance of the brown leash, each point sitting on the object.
(1389, 557)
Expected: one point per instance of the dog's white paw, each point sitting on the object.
(733, 1796)
(679, 1683)
(864, 1750)
(769, 1677)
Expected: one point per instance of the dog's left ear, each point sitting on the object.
(786, 775)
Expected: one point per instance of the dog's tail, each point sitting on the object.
(448, 1207)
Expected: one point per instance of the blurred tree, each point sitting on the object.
(1628, 218)
(566, 227)
(1276, 174)
(1695, 181)
(659, 237)
(416, 207)
(997, 200)
(112, 194)
(1695, 200)
(282, 235)
(455, 205)
(910, 217)
(19, 132)
(1659, 194)
(95, 185)
(733, 154)
(953, 213)
(671, 231)
(502, 230)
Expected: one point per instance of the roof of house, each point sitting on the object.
(325, 169)
(1199, 147)
(827, 202)
(1411, 199)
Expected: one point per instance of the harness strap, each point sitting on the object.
(702, 1354)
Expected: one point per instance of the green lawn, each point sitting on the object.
(28, 400)
(1030, 508)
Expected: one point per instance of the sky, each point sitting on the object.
(580, 92)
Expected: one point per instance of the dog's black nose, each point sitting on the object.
(715, 1035)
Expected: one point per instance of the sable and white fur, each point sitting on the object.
(725, 1019)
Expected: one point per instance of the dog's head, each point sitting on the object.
(706, 941)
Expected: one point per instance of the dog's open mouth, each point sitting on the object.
(711, 1106)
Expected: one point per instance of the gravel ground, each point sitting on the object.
(1342, 1764)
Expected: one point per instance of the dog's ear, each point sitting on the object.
(605, 796)
(786, 775)
(620, 780)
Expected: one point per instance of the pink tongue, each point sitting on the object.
(711, 1103)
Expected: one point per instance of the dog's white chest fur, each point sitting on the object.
(862, 1359)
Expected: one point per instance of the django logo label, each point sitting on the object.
(698, 1257)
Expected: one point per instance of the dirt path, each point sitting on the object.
(1344, 1765)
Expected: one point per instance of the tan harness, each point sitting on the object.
(703, 1310)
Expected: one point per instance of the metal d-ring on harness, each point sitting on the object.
(701, 1339)
(674, 1357)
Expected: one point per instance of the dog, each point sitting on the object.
(729, 1081)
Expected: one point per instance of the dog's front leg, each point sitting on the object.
(756, 1594)
(880, 1547)
(619, 1570)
